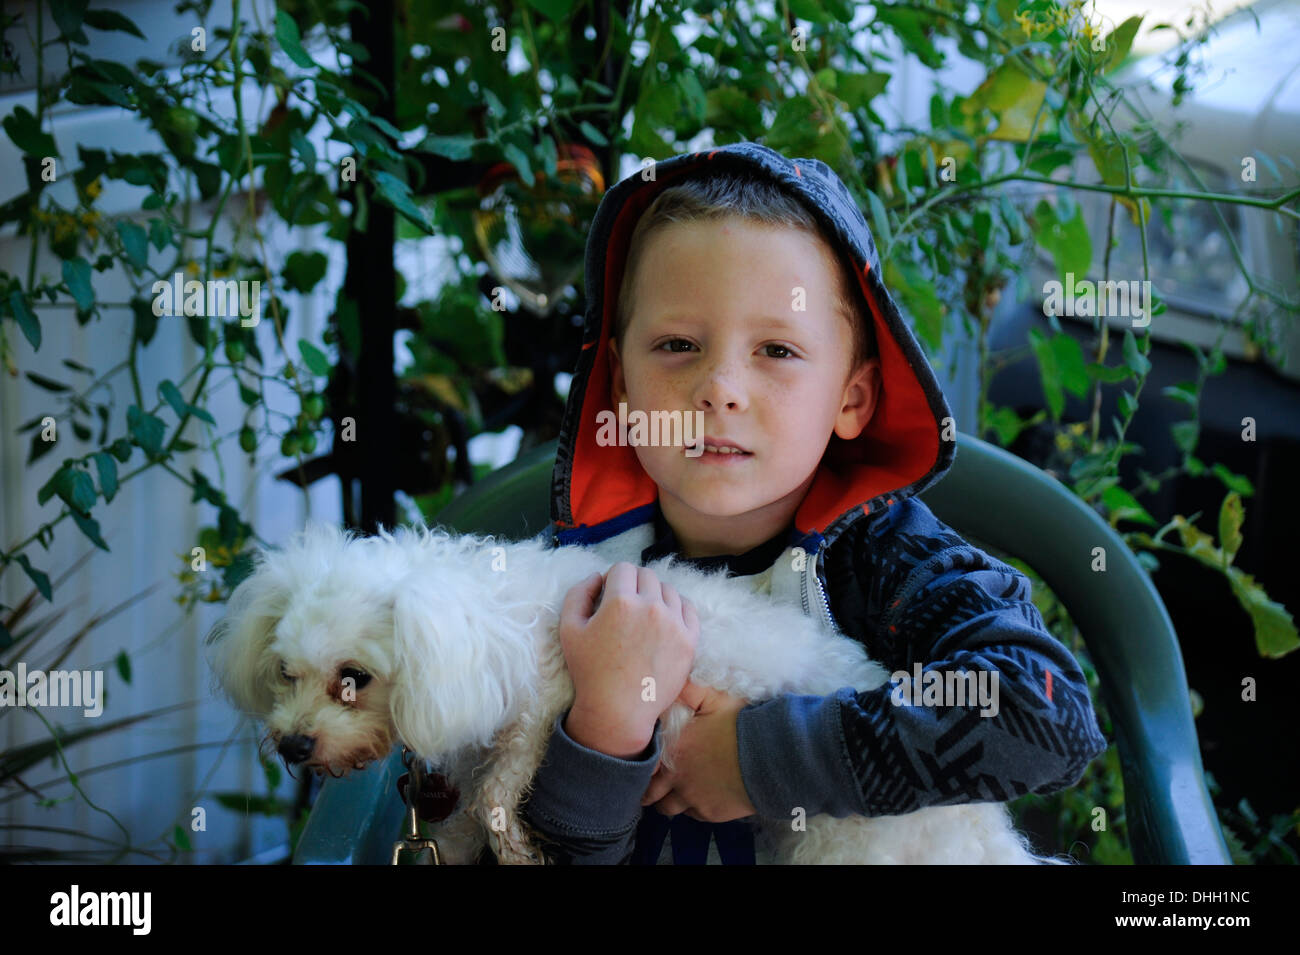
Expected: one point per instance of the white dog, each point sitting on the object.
(450, 644)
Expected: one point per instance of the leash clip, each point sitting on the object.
(412, 839)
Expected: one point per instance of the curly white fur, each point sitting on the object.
(458, 636)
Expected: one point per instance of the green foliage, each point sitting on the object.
(1275, 629)
(1253, 841)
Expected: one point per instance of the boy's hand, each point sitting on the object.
(613, 640)
(706, 785)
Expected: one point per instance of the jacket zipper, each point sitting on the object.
(811, 572)
(826, 610)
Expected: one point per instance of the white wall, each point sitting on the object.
(148, 527)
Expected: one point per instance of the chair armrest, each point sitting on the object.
(992, 495)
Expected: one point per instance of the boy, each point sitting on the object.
(748, 289)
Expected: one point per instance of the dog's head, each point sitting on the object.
(343, 645)
(306, 646)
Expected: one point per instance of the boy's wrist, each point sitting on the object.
(605, 735)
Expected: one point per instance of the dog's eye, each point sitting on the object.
(359, 678)
(284, 674)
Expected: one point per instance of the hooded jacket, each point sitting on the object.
(880, 568)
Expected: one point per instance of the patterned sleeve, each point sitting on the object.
(914, 592)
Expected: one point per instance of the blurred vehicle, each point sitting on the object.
(1239, 131)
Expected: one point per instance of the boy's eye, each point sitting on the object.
(675, 341)
(786, 352)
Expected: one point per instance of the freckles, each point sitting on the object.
(666, 389)
(785, 398)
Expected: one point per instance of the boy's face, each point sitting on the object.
(714, 328)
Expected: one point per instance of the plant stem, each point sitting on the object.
(617, 104)
(40, 114)
(532, 47)
(1104, 334)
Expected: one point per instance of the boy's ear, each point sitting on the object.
(617, 386)
(861, 394)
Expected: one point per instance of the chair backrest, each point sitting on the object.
(1000, 501)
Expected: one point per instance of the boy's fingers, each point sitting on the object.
(693, 695)
(580, 601)
(621, 578)
(661, 784)
(672, 805)
(647, 583)
(690, 617)
(672, 598)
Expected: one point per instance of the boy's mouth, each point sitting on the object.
(716, 448)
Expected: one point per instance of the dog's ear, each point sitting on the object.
(239, 645)
(461, 662)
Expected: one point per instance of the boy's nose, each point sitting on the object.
(719, 390)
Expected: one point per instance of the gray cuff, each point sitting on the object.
(793, 755)
(583, 792)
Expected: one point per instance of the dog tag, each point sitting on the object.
(437, 797)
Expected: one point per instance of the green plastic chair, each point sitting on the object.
(998, 501)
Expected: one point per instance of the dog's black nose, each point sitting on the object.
(295, 749)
